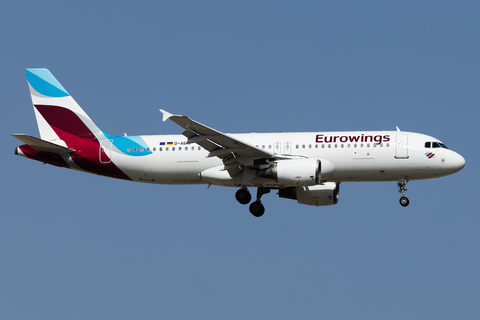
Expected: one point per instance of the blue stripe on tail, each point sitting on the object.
(45, 83)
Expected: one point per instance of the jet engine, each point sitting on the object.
(325, 194)
(299, 172)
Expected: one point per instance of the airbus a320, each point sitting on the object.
(304, 166)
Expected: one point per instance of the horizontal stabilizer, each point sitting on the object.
(42, 145)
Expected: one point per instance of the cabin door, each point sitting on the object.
(105, 151)
(401, 146)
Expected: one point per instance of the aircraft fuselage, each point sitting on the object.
(356, 156)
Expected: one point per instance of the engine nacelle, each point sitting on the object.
(325, 194)
(299, 172)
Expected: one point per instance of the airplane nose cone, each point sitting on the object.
(458, 163)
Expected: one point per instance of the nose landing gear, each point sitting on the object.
(401, 189)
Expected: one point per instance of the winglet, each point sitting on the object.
(166, 115)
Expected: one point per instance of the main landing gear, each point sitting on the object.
(256, 207)
(243, 196)
(401, 189)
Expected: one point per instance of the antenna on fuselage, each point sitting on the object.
(398, 129)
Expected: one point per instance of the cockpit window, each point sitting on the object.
(438, 145)
(427, 144)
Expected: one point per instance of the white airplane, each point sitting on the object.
(304, 166)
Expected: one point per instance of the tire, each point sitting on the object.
(243, 196)
(257, 209)
(404, 201)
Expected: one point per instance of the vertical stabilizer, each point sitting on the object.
(69, 138)
(58, 115)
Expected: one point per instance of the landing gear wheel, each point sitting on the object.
(257, 209)
(401, 189)
(404, 201)
(243, 196)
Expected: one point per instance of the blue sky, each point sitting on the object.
(79, 246)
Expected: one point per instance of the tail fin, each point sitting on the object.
(69, 138)
(60, 119)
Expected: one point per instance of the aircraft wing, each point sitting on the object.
(232, 151)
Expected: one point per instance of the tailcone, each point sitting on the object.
(19, 152)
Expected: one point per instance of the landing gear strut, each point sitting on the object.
(401, 189)
(257, 208)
